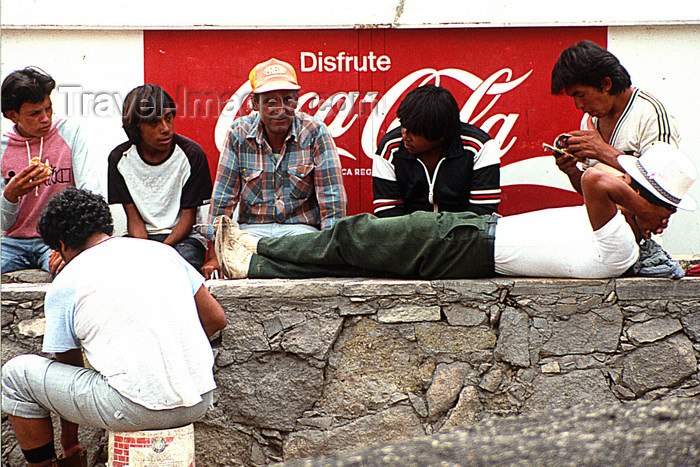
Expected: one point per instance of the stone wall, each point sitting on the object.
(315, 367)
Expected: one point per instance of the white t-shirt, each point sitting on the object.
(643, 122)
(130, 304)
(160, 191)
(560, 242)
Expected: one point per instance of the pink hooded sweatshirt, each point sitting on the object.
(65, 150)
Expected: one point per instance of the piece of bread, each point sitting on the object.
(46, 167)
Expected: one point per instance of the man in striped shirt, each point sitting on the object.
(618, 118)
(279, 166)
(434, 162)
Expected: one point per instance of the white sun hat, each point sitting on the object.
(665, 171)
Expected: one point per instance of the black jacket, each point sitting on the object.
(467, 178)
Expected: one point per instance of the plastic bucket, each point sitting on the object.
(154, 448)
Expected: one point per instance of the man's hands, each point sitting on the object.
(211, 265)
(56, 263)
(183, 227)
(582, 145)
(566, 163)
(651, 219)
(605, 193)
(25, 181)
(135, 225)
(589, 144)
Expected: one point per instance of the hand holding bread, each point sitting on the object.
(46, 168)
(28, 179)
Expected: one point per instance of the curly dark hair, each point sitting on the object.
(587, 63)
(144, 104)
(30, 84)
(430, 111)
(72, 216)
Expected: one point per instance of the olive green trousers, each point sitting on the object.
(421, 245)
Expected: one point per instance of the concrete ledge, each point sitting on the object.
(316, 367)
(27, 276)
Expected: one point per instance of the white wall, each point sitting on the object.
(104, 64)
(160, 14)
(109, 63)
(665, 61)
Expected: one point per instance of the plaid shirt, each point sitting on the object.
(304, 187)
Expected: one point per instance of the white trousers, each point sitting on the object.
(34, 386)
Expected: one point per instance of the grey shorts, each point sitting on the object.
(34, 386)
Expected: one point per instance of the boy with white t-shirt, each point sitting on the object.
(161, 178)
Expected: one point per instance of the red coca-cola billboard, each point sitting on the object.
(354, 80)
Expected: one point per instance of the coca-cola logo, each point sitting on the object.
(354, 79)
(340, 110)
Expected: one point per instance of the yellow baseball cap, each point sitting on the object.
(273, 75)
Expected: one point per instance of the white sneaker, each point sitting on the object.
(249, 241)
(234, 257)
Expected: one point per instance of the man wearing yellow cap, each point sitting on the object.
(280, 166)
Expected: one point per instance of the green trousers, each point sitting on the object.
(421, 245)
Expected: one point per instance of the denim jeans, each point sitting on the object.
(189, 248)
(277, 230)
(24, 253)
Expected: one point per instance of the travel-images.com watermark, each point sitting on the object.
(79, 102)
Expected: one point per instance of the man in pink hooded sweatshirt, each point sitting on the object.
(26, 185)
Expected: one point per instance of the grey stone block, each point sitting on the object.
(313, 338)
(408, 314)
(691, 324)
(595, 331)
(458, 314)
(448, 381)
(269, 393)
(568, 389)
(640, 288)
(663, 363)
(392, 424)
(26, 275)
(513, 343)
(653, 330)
(467, 410)
(454, 340)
